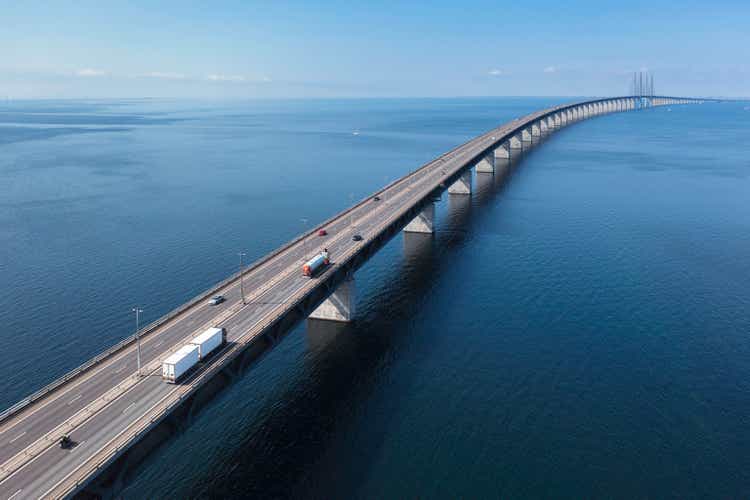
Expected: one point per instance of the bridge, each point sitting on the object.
(115, 416)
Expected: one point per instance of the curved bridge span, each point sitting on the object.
(114, 416)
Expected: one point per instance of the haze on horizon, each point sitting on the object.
(234, 49)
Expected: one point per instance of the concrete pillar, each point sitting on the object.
(486, 163)
(563, 118)
(550, 122)
(463, 184)
(558, 120)
(503, 151)
(515, 142)
(424, 222)
(525, 135)
(340, 305)
(535, 130)
(543, 126)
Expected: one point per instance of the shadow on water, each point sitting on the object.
(284, 454)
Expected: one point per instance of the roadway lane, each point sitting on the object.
(271, 288)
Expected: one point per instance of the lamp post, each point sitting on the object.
(242, 286)
(304, 238)
(138, 312)
(351, 211)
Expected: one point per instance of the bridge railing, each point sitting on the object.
(151, 327)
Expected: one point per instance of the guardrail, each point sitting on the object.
(148, 329)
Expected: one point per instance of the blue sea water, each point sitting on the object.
(576, 328)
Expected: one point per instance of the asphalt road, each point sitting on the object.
(93, 410)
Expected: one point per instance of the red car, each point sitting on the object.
(322, 232)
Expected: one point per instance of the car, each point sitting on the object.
(65, 442)
(376, 198)
(357, 237)
(216, 300)
(322, 232)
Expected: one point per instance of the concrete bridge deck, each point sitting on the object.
(115, 417)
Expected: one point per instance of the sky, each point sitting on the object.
(299, 49)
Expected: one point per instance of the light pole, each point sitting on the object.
(351, 211)
(304, 238)
(242, 286)
(138, 312)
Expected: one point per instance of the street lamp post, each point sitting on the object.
(351, 213)
(138, 312)
(242, 286)
(304, 239)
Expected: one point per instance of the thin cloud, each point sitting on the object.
(551, 69)
(86, 72)
(495, 72)
(226, 78)
(164, 75)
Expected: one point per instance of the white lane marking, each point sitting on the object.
(14, 495)
(74, 399)
(120, 369)
(159, 343)
(129, 407)
(17, 437)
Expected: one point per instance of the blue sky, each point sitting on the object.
(226, 49)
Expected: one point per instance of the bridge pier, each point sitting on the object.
(487, 163)
(525, 135)
(558, 120)
(551, 122)
(515, 142)
(424, 222)
(463, 183)
(502, 151)
(535, 130)
(340, 305)
(543, 126)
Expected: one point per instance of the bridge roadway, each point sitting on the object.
(107, 407)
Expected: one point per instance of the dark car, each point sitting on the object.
(66, 442)
(357, 237)
(376, 198)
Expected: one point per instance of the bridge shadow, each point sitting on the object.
(287, 451)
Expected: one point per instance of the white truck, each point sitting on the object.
(179, 363)
(208, 341)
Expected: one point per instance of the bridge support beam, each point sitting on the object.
(535, 130)
(515, 142)
(340, 305)
(525, 135)
(543, 126)
(551, 123)
(558, 120)
(424, 222)
(487, 163)
(463, 184)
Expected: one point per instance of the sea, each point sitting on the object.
(577, 327)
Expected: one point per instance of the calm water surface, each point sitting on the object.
(578, 328)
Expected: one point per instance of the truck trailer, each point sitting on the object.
(313, 265)
(179, 363)
(208, 341)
